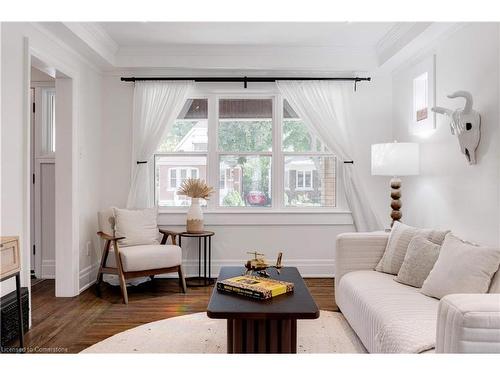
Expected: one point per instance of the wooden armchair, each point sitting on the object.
(135, 261)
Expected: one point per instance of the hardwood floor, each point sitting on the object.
(70, 325)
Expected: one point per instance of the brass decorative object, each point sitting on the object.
(259, 265)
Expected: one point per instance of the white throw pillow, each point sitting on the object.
(139, 227)
(495, 283)
(397, 245)
(421, 256)
(461, 268)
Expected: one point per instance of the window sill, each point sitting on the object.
(260, 217)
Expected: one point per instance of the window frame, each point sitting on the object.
(213, 93)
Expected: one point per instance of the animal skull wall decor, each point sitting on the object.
(465, 123)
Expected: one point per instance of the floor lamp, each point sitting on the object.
(396, 160)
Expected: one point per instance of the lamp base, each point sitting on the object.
(396, 214)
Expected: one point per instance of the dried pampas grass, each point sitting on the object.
(195, 188)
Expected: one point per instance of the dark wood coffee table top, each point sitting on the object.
(296, 305)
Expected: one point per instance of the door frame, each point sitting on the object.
(66, 173)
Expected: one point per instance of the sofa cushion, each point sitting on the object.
(399, 239)
(421, 256)
(388, 317)
(495, 283)
(461, 268)
(146, 257)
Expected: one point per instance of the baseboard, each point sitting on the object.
(307, 267)
(88, 276)
(48, 269)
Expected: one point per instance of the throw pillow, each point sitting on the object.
(419, 260)
(399, 239)
(139, 227)
(495, 283)
(461, 268)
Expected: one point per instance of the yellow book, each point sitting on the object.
(255, 286)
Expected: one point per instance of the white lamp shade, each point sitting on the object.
(395, 159)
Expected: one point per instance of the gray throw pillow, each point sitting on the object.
(399, 239)
(461, 268)
(419, 260)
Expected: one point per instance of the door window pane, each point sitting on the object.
(247, 183)
(245, 125)
(48, 120)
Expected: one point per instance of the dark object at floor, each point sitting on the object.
(9, 321)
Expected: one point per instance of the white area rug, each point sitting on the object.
(196, 333)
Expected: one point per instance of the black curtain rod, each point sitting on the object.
(246, 80)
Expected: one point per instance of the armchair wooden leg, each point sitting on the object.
(121, 276)
(182, 281)
(123, 286)
(104, 257)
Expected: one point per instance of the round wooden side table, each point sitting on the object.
(206, 237)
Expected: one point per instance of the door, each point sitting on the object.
(43, 187)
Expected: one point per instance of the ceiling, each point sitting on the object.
(292, 48)
(327, 34)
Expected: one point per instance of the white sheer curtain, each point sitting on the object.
(323, 107)
(156, 106)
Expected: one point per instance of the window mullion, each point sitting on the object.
(277, 176)
(213, 158)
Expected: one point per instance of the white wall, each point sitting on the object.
(372, 111)
(307, 240)
(449, 193)
(14, 135)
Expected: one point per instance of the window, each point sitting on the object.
(182, 154)
(247, 147)
(245, 141)
(303, 180)
(48, 120)
(178, 175)
(309, 168)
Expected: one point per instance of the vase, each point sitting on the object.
(194, 222)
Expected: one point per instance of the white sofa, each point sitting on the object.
(390, 317)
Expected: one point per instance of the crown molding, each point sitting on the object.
(50, 32)
(248, 57)
(418, 46)
(397, 38)
(95, 37)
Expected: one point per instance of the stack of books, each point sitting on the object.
(254, 286)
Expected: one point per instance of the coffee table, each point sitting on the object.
(268, 326)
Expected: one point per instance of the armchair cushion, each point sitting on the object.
(146, 257)
(139, 227)
(106, 221)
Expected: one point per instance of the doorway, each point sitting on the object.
(53, 160)
(43, 159)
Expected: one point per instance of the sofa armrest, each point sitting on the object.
(358, 251)
(468, 323)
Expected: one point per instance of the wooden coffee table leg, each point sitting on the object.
(293, 338)
(261, 336)
(230, 335)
